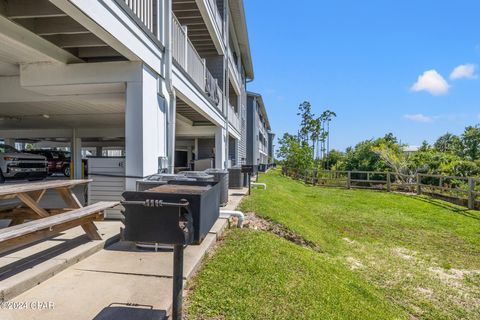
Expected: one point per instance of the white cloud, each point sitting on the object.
(432, 82)
(418, 118)
(464, 71)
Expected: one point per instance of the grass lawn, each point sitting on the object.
(383, 256)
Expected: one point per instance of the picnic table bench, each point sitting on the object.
(46, 222)
(26, 233)
(30, 194)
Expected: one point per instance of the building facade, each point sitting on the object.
(259, 142)
(162, 80)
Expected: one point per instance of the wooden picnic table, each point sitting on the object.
(31, 193)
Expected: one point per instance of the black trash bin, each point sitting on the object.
(159, 180)
(235, 178)
(221, 176)
(198, 175)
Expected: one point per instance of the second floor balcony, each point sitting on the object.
(187, 57)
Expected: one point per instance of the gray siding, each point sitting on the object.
(215, 66)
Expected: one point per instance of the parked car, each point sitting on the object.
(18, 165)
(58, 161)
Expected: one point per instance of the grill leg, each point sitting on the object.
(177, 282)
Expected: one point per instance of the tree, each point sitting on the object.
(295, 154)
(448, 143)
(325, 119)
(306, 116)
(365, 156)
(471, 143)
(334, 160)
(425, 146)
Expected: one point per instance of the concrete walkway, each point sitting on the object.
(118, 282)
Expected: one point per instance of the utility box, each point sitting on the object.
(108, 175)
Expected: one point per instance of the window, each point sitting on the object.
(4, 148)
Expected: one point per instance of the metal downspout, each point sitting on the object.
(172, 107)
(226, 10)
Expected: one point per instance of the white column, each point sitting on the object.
(220, 147)
(195, 149)
(76, 156)
(145, 131)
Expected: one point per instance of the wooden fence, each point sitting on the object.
(464, 191)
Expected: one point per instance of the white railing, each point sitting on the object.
(233, 118)
(195, 65)
(179, 38)
(188, 58)
(216, 14)
(145, 11)
(234, 67)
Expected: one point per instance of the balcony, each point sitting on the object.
(233, 118)
(204, 22)
(187, 57)
(235, 73)
(145, 11)
(212, 6)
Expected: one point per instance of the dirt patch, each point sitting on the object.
(349, 241)
(354, 263)
(253, 221)
(404, 253)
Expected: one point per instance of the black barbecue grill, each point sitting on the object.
(177, 214)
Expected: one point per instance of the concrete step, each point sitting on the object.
(24, 268)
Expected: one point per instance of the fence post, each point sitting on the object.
(471, 193)
(185, 45)
(349, 180)
(419, 184)
(389, 182)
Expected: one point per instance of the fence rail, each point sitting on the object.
(464, 191)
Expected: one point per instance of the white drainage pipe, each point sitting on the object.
(259, 185)
(226, 214)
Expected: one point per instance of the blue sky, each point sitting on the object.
(363, 60)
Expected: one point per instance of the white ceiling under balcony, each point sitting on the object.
(61, 114)
(41, 20)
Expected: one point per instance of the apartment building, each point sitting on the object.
(259, 142)
(158, 79)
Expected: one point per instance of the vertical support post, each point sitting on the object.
(471, 193)
(177, 305)
(419, 184)
(389, 182)
(220, 146)
(76, 149)
(249, 183)
(440, 184)
(185, 29)
(349, 179)
(196, 149)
